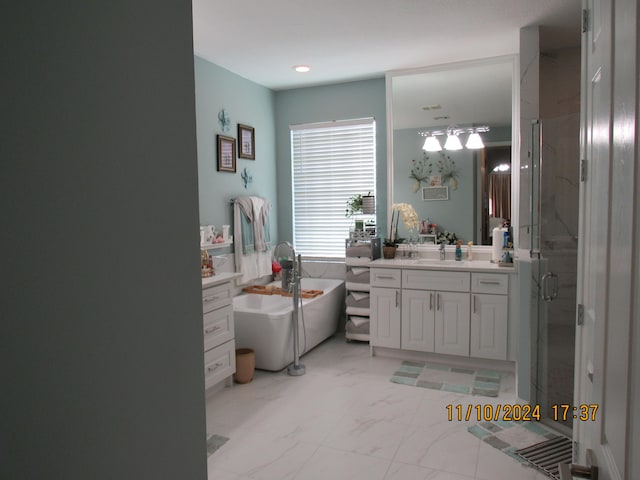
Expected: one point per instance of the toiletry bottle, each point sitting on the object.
(458, 251)
(470, 251)
(505, 237)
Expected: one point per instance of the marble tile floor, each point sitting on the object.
(344, 419)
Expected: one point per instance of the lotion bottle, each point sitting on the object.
(459, 251)
(470, 251)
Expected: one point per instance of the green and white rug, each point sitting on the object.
(449, 379)
(214, 442)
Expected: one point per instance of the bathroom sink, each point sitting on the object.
(437, 261)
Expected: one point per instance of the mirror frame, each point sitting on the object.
(515, 130)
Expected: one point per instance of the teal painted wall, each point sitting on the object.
(320, 104)
(247, 103)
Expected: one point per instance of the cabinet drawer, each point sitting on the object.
(496, 283)
(215, 297)
(219, 363)
(436, 280)
(386, 277)
(218, 327)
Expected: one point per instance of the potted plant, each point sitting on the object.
(354, 206)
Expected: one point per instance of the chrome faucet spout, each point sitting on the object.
(442, 252)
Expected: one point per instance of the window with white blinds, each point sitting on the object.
(331, 162)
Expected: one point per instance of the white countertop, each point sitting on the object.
(437, 264)
(218, 279)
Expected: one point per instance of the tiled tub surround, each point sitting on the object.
(344, 419)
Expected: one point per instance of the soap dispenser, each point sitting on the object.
(470, 251)
(459, 251)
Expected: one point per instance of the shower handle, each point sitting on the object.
(549, 279)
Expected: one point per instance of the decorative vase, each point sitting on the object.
(245, 365)
(388, 252)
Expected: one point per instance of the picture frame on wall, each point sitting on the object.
(226, 154)
(247, 142)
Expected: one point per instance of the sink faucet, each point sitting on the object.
(442, 253)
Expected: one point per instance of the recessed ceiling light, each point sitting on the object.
(301, 68)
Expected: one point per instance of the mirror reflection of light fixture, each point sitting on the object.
(453, 142)
(474, 141)
(431, 144)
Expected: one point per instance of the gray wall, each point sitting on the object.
(320, 104)
(101, 330)
(247, 103)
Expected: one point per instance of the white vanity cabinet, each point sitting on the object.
(219, 334)
(455, 312)
(435, 311)
(489, 317)
(385, 307)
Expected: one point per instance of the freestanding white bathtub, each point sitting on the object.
(264, 322)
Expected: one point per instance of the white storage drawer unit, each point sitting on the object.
(218, 329)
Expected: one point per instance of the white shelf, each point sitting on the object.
(214, 246)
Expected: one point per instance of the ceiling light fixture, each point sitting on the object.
(301, 68)
(474, 141)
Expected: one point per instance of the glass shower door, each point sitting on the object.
(554, 250)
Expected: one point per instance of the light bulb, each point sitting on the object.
(453, 142)
(431, 144)
(474, 141)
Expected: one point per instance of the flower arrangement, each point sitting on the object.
(447, 237)
(409, 220)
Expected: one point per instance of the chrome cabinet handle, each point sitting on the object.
(474, 304)
(549, 279)
(211, 330)
(215, 367)
(397, 298)
(430, 301)
(437, 301)
(386, 277)
(211, 299)
(487, 282)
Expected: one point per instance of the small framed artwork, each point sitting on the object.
(435, 193)
(435, 181)
(226, 154)
(247, 139)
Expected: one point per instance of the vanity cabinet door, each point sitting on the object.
(418, 317)
(489, 326)
(385, 317)
(452, 323)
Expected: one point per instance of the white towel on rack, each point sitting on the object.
(256, 262)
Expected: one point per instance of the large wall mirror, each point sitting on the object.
(467, 191)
